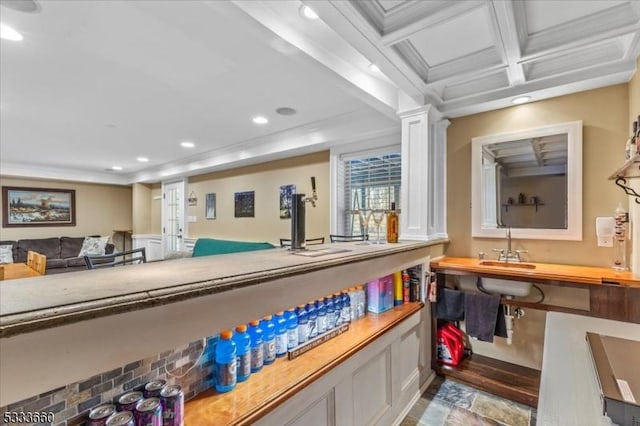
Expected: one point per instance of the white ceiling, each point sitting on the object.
(97, 83)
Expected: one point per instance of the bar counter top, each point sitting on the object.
(47, 301)
(93, 321)
(549, 272)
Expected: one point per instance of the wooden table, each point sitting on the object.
(13, 271)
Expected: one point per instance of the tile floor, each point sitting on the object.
(448, 403)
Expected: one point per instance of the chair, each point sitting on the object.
(286, 242)
(130, 257)
(40, 263)
(346, 238)
(31, 258)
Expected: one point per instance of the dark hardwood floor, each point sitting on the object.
(510, 381)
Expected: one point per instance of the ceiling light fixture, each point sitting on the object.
(374, 68)
(286, 111)
(260, 120)
(521, 100)
(308, 13)
(187, 144)
(8, 33)
(143, 159)
(116, 168)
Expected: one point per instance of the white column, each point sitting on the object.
(438, 189)
(423, 198)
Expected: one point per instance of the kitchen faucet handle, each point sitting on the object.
(499, 250)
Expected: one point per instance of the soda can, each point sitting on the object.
(98, 416)
(153, 388)
(129, 400)
(149, 412)
(123, 418)
(172, 399)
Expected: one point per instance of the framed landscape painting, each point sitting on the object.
(27, 207)
(286, 195)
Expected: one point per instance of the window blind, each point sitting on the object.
(371, 183)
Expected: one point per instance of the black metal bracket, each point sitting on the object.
(622, 183)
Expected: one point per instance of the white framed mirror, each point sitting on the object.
(529, 180)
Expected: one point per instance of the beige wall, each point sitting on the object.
(604, 113)
(604, 116)
(141, 206)
(550, 190)
(99, 210)
(265, 179)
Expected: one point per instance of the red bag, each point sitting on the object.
(450, 344)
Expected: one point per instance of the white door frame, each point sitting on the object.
(182, 184)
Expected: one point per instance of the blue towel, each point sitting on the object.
(450, 305)
(481, 313)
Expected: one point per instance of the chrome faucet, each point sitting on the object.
(510, 255)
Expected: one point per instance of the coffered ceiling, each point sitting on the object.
(474, 55)
(98, 83)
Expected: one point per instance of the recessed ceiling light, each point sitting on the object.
(143, 159)
(308, 13)
(286, 111)
(260, 120)
(187, 144)
(374, 68)
(8, 33)
(521, 100)
(116, 168)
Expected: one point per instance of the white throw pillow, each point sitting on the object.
(6, 254)
(93, 246)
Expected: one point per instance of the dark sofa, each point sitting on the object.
(62, 252)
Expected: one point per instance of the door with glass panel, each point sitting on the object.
(173, 223)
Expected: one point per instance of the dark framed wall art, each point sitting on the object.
(210, 206)
(244, 204)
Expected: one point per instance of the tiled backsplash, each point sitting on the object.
(71, 403)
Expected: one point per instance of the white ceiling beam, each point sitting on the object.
(537, 171)
(347, 22)
(508, 38)
(311, 137)
(586, 79)
(375, 92)
(535, 146)
(614, 22)
(634, 47)
(450, 11)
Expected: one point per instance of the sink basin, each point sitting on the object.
(517, 265)
(506, 287)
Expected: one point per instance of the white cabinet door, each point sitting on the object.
(320, 413)
(372, 390)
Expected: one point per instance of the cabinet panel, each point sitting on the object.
(372, 389)
(409, 356)
(319, 413)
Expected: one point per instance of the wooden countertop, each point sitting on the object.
(267, 389)
(48, 301)
(574, 274)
